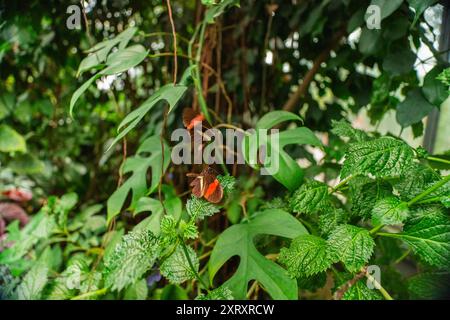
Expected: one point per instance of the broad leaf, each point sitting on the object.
(419, 7)
(132, 257)
(221, 293)
(148, 155)
(329, 220)
(26, 164)
(353, 245)
(283, 168)
(239, 240)
(429, 238)
(33, 283)
(429, 286)
(389, 211)
(360, 291)
(381, 157)
(199, 208)
(307, 256)
(413, 109)
(176, 267)
(311, 197)
(343, 129)
(11, 140)
(365, 192)
(433, 89)
(387, 7)
(170, 93)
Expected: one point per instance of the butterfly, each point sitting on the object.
(192, 118)
(206, 184)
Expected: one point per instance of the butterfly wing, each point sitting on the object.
(213, 190)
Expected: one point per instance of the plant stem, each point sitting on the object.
(90, 294)
(376, 229)
(429, 190)
(191, 265)
(403, 256)
(377, 285)
(340, 184)
(438, 160)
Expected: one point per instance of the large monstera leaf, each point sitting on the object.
(287, 171)
(238, 240)
(149, 155)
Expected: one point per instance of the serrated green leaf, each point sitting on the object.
(307, 256)
(365, 193)
(389, 211)
(11, 140)
(33, 283)
(199, 208)
(311, 197)
(329, 220)
(381, 157)
(149, 155)
(429, 286)
(353, 245)
(342, 128)
(132, 257)
(238, 240)
(429, 238)
(415, 180)
(227, 183)
(176, 267)
(360, 291)
(221, 293)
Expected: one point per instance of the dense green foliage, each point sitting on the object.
(85, 123)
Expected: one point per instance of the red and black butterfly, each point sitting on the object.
(205, 184)
(192, 118)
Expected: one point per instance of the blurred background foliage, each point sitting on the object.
(315, 58)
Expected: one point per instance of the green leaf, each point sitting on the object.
(413, 109)
(199, 208)
(353, 245)
(307, 256)
(389, 211)
(77, 94)
(365, 192)
(387, 7)
(216, 10)
(33, 283)
(433, 89)
(370, 41)
(26, 164)
(132, 257)
(176, 267)
(7, 102)
(360, 291)
(148, 155)
(310, 198)
(137, 291)
(419, 7)
(342, 128)
(381, 157)
(99, 52)
(429, 238)
(400, 61)
(429, 286)
(11, 140)
(124, 59)
(329, 220)
(221, 293)
(170, 93)
(227, 183)
(239, 240)
(274, 118)
(284, 169)
(415, 180)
